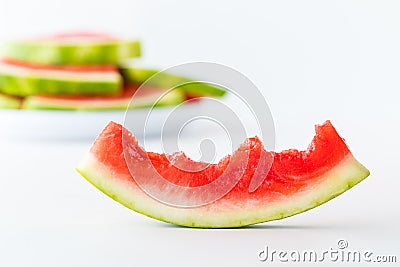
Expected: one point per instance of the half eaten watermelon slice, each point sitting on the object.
(297, 180)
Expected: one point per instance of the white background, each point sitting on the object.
(312, 60)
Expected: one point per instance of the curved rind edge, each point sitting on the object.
(336, 181)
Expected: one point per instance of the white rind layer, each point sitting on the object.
(224, 213)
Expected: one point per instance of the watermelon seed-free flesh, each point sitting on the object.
(297, 181)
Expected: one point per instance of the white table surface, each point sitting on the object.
(50, 216)
(313, 60)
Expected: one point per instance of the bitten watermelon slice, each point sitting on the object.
(147, 97)
(26, 79)
(136, 75)
(297, 181)
(73, 49)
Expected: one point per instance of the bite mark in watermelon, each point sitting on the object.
(73, 49)
(19, 80)
(297, 181)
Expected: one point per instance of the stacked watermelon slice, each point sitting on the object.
(81, 71)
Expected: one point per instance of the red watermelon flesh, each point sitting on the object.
(296, 182)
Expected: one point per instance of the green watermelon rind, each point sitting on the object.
(18, 84)
(9, 102)
(168, 80)
(58, 53)
(334, 182)
(173, 98)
